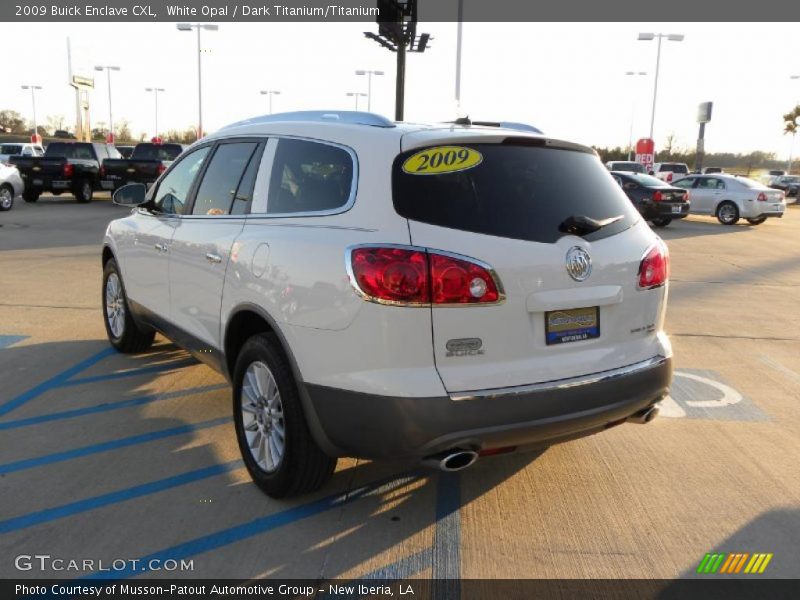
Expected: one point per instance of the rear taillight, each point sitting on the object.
(67, 170)
(669, 177)
(654, 268)
(762, 197)
(160, 169)
(410, 276)
(686, 197)
(102, 170)
(657, 196)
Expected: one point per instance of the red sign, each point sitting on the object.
(36, 139)
(646, 153)
(110, 138)
(155, 140)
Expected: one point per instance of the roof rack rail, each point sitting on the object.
(503, 124)
(352, 117)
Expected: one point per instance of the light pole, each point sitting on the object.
(672, 37)
(33, 88)
(108, 69)
(198, 26)
(270, 93)
(369, 75)
(633, 110)
(356, 95)
(155, 91)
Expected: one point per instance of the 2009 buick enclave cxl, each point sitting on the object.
(381, 289)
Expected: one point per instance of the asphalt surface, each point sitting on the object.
(112, 457)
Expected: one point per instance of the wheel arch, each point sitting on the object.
(243, 322)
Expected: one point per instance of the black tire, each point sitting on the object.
(662, 221)
(6, 197)
(303, 466)
(132, 338)
(757, 220)
(728, 213)
(84, 191)
(30, 196)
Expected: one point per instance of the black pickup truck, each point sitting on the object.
(146, 163)
(65, 167)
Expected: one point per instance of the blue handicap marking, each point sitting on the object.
(704, 394)
(10, 340)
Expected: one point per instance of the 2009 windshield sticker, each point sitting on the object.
(442, 159)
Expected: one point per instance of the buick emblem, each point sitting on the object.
(579, 263)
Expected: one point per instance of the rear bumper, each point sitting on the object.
(368, 426)
(663, 210)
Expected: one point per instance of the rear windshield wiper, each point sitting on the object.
(581, 225)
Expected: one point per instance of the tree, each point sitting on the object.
(12, 122)
(124, 131)
(790, 126)
(55, 122)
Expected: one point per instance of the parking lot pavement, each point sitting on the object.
(111, 457)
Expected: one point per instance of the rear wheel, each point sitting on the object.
(662, 221)
(30, 196)
(728, 213)
(271, 428)
(6, 197)
(84, 192)
(123, 332)
(757, 220)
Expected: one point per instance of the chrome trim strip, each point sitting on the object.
(560, 384)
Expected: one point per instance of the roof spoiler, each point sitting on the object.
(500, 124)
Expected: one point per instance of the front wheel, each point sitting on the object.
(728, 213)
(84, 192)
(662, 221)
(757, 220)
(30, 196)
(6, 197)
(123, 332)
(276, 445)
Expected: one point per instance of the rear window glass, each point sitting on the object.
(156, 151)
(62, 150)
(634, 167)
(674, 168)
(10, 149)
(647, 180)
(516, 191)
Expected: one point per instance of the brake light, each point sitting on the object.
(686, 197)
(102, 170)
(416, 277)
(669, 177)
(657, 197)
(762, 197)
(160, 168)
(654, 268)
(68, 169)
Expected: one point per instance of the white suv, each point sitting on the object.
(392, 290)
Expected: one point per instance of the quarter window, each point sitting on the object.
(309, 177)
(221, 179)
(170, 198)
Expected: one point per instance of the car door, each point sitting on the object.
(203, 240)
(145, 250)
(695, 196)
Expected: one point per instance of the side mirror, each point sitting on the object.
(132, 194)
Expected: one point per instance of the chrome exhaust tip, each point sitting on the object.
(644, 416)
(451, 460)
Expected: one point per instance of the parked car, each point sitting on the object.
(711, 170)
(393, 290)
(656, 200)
(625, 165)
(730, 198)
(125, 151)
(670, 171)
(11, 186)
(19, 149)
(147, 162)
(787, 183)
(65, 167)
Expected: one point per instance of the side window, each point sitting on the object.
(685, 183)
(27, 151)
(38, 152)
(309, 177)
(221, 179)
(244, 195)
(170, 197)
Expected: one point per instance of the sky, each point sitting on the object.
(568, 79)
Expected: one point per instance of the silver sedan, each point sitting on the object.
(11, 186)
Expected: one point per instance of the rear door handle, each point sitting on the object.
(213, 258)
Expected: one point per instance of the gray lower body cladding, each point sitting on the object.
(369, 426)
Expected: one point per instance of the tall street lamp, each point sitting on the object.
(155, 91)
(369, 75)
(672, 37)
(108, 69)
(356, 95)
(199, 27)
(35, 137)
(270, 94)
(633, 110)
